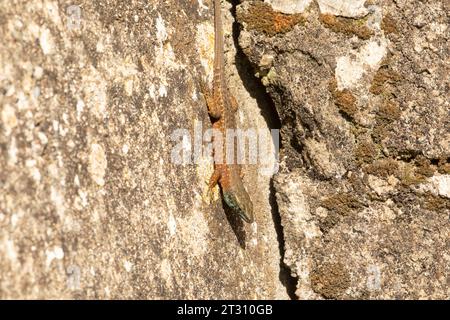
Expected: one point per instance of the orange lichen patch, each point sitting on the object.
(383, 75)
(347, 26)
(261, 17)
(344, 99)
(388, 24)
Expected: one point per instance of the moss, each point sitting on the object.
(436, 203)
(408, 176)
(383, 75)
(382, 168)
(365, 151)
(424, 167)
(417, 171)
(261, 17)
(409, 173)
(331, 280)
(338, 205)
(389, 111)
(423, 201)
(347, 26)
(444, 166)
(329, 222)
(342, 203)
(388, 24)
(343, 99)
(379, 132)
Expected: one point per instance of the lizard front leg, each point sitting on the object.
(213, 105)
(233, 103)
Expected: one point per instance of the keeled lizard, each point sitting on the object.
(222, 107)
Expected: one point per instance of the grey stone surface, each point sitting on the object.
(91, 205)
(361, 89)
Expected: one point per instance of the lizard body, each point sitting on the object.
(222, 107)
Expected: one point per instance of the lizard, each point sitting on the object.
(222, 107)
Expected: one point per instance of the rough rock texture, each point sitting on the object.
(362, 92)
(91, 203)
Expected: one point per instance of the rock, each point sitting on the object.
(91, 203)
(362, 96)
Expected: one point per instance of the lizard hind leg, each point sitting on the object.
(214, 179)
(233, 103)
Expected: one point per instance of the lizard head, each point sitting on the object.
(241, 204)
